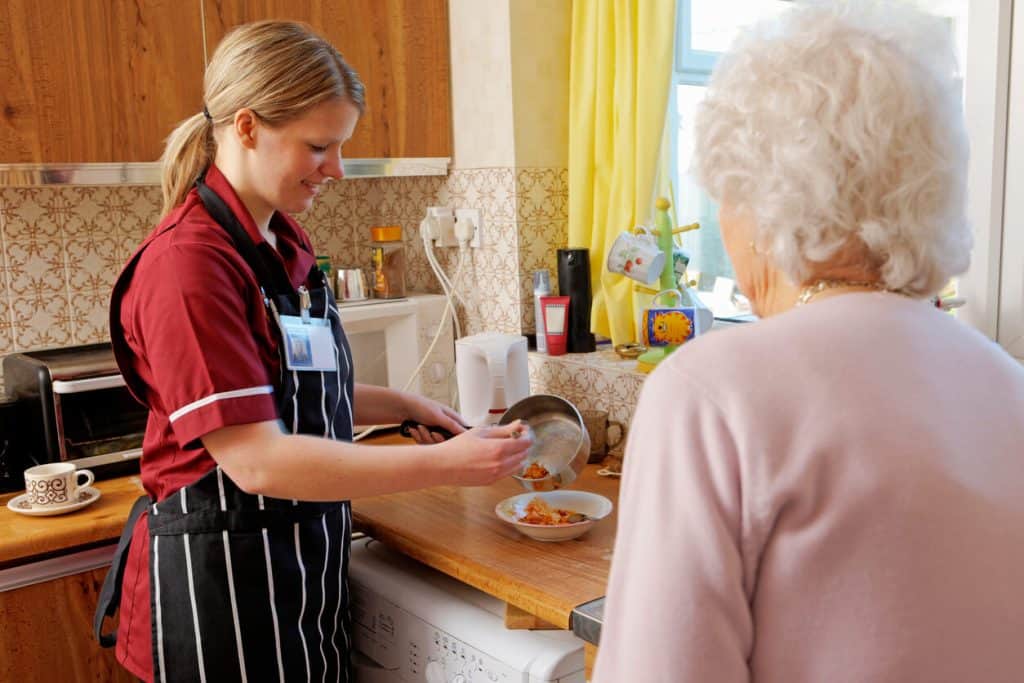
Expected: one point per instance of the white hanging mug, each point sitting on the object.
(636, 256)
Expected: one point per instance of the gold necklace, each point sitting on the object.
(811, 291)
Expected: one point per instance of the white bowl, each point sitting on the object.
(594, 506)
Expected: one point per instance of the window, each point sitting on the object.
(705, 30)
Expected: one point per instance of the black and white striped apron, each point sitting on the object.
(246, 587)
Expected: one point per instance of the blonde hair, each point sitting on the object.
(279, 69)
(839, 128)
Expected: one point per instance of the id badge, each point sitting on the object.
(309, 344)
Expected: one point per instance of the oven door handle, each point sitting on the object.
(75, 386)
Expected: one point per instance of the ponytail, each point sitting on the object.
(187, 154)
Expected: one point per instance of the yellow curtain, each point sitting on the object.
(620, 76)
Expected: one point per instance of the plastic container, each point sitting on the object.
(323, 263)
(541, 287)
(387, 254)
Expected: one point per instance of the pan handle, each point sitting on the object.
(408, 425)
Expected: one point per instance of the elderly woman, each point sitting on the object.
(834, 493)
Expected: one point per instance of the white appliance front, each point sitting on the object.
(412, 624)
(388, 339)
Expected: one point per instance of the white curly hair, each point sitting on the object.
(838, 127)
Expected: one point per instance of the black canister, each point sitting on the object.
(574, 282)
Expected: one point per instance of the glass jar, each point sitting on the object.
(387, 254)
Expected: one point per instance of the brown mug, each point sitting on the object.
(605, 434)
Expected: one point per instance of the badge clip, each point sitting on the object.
(305, 303)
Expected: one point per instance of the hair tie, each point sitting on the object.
(206, 113)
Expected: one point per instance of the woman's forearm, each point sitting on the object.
(262, 459)
(379, 405)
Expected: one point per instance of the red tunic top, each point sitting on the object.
(200, 342)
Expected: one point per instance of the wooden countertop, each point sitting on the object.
(23, 538)
(451, 529)
(455, 531)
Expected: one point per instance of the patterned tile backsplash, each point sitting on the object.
(591, 381)
(62, 247)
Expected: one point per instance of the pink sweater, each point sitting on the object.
(833, 494)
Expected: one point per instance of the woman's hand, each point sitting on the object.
(483, 455)
(430, 413)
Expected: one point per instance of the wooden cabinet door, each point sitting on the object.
(46, 633)
(94, 81)
(398, 47)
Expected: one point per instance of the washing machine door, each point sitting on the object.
(365, 670)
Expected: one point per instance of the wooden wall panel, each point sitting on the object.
(46, 633)
(88, 81)
(399, 48)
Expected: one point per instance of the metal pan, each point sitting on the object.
(560, 441)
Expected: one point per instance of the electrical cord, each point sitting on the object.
(449, 310)
(442, 277)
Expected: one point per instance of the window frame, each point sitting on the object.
(692, 67)
(994, 295)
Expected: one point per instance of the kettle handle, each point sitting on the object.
(497, 362)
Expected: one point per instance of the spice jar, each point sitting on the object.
(388, 257)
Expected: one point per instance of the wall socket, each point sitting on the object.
(472, 216)
(440, 221)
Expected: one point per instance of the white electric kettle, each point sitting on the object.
(492, 374)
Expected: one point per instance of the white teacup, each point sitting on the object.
(54, 484)
(636, 256)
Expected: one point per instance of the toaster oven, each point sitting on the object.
(13, 455)
(77, 409)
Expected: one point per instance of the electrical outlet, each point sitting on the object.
(443, 225)
(472, 217)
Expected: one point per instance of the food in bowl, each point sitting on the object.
(539, 512)
(590, 506)
(535, 471)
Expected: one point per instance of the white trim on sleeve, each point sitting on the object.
(235, 393)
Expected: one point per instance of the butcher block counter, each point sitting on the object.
(455, 531)
(25, 539)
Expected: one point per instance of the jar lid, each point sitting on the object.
(386, 233)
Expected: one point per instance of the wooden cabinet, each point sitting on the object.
(398, 47)
(87, 81)
(46, 633)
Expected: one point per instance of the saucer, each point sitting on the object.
(86, 496)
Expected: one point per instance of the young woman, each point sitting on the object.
(234, 566)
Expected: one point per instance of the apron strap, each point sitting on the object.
(271, 276)
(110, 594)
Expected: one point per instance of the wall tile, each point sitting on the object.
(596, 381)
(542, 193)
(539, 242)
(133, 211)
(41, 320)
(6, 338)
(90, 315)
(36, 267)
(492, 190)
(341, 213)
